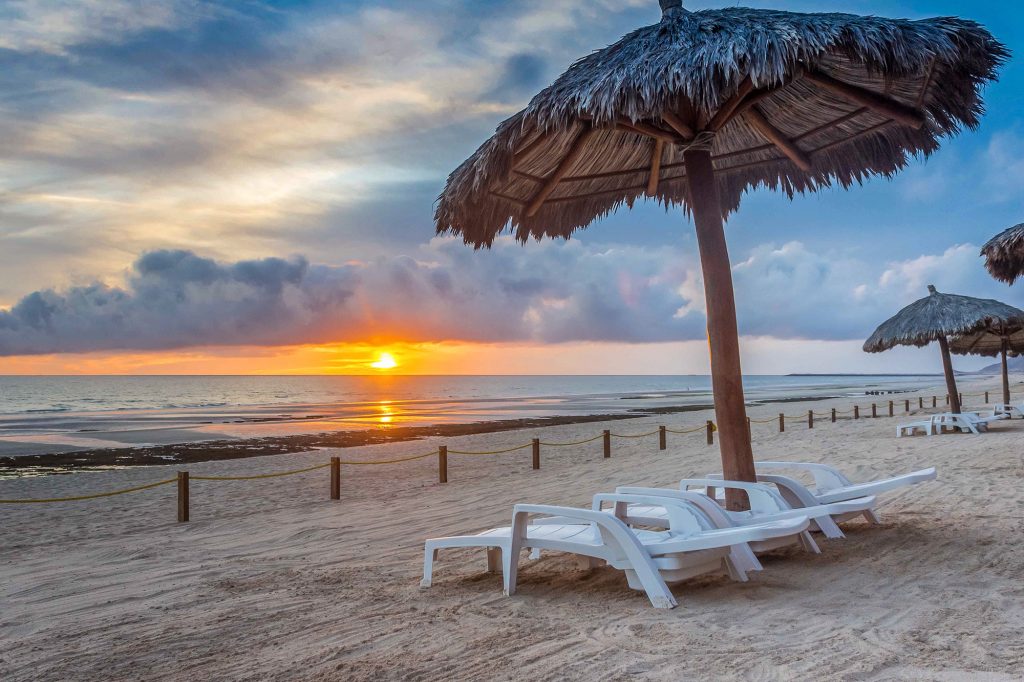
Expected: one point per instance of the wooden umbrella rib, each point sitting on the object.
(648, 130)
(677, 124)
(763, 126)
(575, 149)
(886, 106)
(926, 84)
(652, 181)
(725, 112)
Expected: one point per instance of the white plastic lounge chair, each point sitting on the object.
(926, 425)
(830, 485)
(766, 504)
(964, 421)
(690, 547)
(1008, 409)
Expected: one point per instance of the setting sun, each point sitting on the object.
(384, 361)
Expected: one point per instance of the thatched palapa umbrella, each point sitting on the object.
(937, 317)
(1004, 254)
(704, 105)
(1000, 339)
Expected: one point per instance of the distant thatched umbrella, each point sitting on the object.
(702, 106)
(1004, 254)
(999, 339)
(937, 317)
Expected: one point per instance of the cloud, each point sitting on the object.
(547, 292)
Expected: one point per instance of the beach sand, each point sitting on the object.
(271, 580)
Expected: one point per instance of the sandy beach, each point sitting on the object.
(273, 581)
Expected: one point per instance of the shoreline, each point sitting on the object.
(98, 459)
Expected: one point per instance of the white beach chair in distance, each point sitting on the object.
(910, 428)
(766, 504)
(1008, 409)
(690, 547)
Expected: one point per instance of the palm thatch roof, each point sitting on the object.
(989, 342)
(941, 315)
(785, 100)
(1004, 254)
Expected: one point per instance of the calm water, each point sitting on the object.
(47, 414)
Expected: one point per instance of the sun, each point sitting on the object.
(384, 361)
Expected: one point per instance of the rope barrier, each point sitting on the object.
(255, 476)
(91, 497)
(489, 452)
(577, 442)
(432, 453)
(699, 428)
(639, 435)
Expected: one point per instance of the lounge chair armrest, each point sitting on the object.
(683, 516)
(714, 513)
(825, 477)
(762, 497)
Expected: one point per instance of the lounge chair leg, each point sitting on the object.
(829, 527)
(534, 554)
(808, 543)
(872, 517)
(429, 554)
(733, 569)
(493, 559)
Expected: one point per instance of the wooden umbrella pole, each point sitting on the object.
(723, 335)
(947, 367)
(1006, 373)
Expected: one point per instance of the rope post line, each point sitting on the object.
(607, 436)
(810, 419)
(335, 478)
(536, 453)
(782, 422)
(890, 408)
(182, 497)
(662, 438)
(874, 411)
(442, 463)
(833, 415)
(856, 411)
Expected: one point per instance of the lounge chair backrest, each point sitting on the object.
(683, 517)
(825, 477)
(763, 499)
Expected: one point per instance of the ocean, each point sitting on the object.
(44, 414)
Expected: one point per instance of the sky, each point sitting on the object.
(248, 187)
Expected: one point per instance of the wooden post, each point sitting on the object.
(920, 402)
(874, 411)
(748, 427)
(947, 367)
(890, 409)
(335, 478)
(182, 496)
(856, 411)
(442, 463)
(723, 335)
(906, 406)
(833, 415)
(810, 419)
(947, 399)
(536, 453)
(933, 401)
(961, 396)
(607, 443)
(1006, 374)
(986, 397)
(662, 438)
(711, 432)
(782, 422)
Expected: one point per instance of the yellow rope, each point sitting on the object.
(639, 435)
(578, 442)
(391, 461)
(249, 478)
(489, 452)
(699, 428)
(92, 497)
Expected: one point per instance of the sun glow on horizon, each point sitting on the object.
(384, 361)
